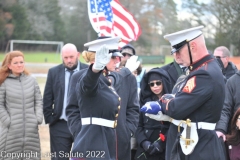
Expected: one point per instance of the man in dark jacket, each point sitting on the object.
(126, 87)
(174, 69)
(55, 100)
(231, 104)
(223, 54)
(127, 51)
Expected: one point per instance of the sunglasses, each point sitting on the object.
(219, 57)
(125, 54)
(151, 84)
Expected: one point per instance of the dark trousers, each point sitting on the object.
(60, 140)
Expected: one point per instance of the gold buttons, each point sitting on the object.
(119, 98)
(115, 124)
(119, 107)
(116, 115)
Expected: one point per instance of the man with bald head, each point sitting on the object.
(55, 100)
(222, 54)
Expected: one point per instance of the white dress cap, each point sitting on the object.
(180, 38)
(111, 43)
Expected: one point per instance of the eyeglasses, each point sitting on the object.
(151, 84)
(126, 54)
(219, 57)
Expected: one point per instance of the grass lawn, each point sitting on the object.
(39, 57)
(47, 57)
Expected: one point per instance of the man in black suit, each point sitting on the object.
(175, 69)
(55, 100)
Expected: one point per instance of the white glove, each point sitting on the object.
(220, 134)
(159, 117)
(102, 58)
(132, 63)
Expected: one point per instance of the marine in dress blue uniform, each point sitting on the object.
(197, 97)
(99, 105)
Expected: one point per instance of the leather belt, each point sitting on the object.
(201, 125)
(99, 121)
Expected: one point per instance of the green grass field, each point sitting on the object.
(44, 57)
(39, 57)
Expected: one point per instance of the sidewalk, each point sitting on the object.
(45, 141)
(39, 67)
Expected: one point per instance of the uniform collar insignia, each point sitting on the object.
(200, 62)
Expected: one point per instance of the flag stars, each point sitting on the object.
(102, 17)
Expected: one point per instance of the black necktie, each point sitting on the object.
(184, 70)
(70, 76)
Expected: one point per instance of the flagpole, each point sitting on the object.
(96, 7)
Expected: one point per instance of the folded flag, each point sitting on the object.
(152, 107)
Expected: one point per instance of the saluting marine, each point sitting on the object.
(98, 105)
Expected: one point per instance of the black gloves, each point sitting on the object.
(155, 148)
(146, 145)
(152, 148)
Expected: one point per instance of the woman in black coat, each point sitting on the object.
(154, 84)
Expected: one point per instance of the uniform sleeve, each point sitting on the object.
(38, 104)
(4, 116)
(89, 83)
(197, 90)
(48, 98)
(228, 106)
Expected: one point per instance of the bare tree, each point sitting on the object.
(222, 17)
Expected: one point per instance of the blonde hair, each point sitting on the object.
(89, 57)
(4, 70)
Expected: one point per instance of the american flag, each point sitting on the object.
(110, 18)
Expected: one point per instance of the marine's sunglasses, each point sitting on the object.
(158, 83)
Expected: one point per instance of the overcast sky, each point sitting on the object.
(182, 14)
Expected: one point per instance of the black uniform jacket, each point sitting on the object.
(54, 93)
(199, 97)
(96, 98)
(149, 129)
(125, 84)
